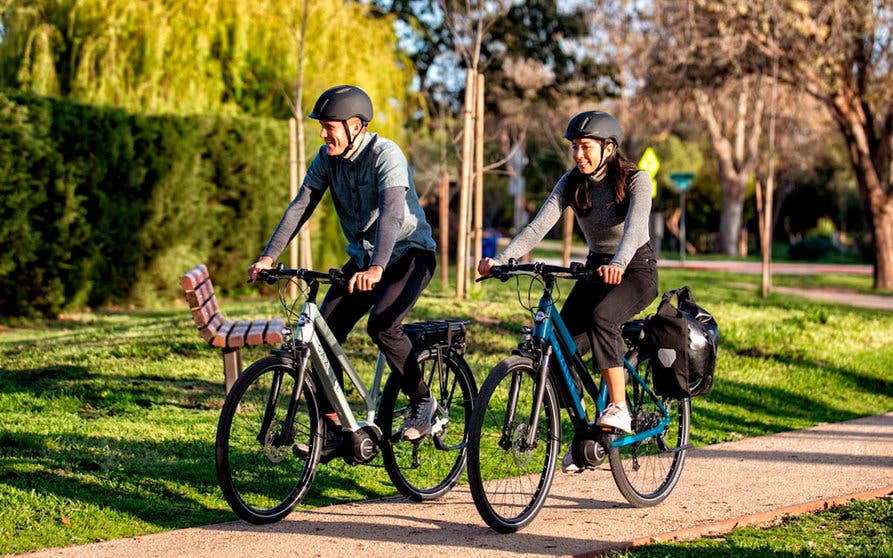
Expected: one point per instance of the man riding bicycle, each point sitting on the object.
(389, 241)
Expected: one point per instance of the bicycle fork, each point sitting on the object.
(285, 436)
(530, 438)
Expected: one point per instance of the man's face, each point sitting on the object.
(333, 133)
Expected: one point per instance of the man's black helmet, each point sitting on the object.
(594, 124)
(342, 102)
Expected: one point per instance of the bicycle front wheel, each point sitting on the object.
(263, 467)
(509, 477)
(647, 471)
(428, 468)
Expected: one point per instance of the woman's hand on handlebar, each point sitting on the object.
(264, 262)
(484, 266)
(610, 274)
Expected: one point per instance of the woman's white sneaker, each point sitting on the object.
(616, 417)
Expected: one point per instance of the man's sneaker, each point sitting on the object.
(568, 465)
(418, 422)
(616, 417)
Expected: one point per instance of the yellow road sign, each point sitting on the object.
(650, 164)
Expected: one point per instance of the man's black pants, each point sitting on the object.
(388, 303)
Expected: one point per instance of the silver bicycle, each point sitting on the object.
(271, 435)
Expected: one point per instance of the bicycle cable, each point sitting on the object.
(291, 314)
(537, 280)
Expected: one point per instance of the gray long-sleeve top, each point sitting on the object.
(609, 228)
(375, 199)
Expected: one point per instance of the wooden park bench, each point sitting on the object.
(230, 336)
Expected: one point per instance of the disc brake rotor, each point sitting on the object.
(521, 452)
(275, 453)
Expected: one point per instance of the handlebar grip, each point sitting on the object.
(581, 272)
(500, 272)
(267, 275)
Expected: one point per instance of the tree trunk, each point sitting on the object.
(855, 126)
(883, 243)
(736, 150)
(730, 216)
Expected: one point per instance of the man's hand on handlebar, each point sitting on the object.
(365, 280)
(264, 262)
(484, 266)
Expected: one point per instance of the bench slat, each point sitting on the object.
(219, 340)
(209, 331)
(203, 315)
(200, 295)
(255, 335)
(236, 337)
(273, 335)
(194, 277)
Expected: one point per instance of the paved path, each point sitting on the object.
(736, 483)
(841, 296)
(779, 268)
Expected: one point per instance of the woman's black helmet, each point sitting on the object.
(594, 124)
(341, 103)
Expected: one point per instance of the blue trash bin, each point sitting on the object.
(488, 244)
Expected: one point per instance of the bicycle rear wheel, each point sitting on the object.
(428, 468)
(647, 471)
(510, 479)
(263, 472)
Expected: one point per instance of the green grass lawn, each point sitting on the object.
(108, 418)
(863, 529)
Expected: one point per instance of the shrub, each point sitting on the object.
(102, 207)
(811, 248)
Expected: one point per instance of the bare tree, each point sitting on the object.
(838, 51)
(734, 116)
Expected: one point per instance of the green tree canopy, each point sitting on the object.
(198, 56)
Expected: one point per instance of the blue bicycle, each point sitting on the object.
(515, 433)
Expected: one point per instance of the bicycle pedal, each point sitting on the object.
(301, 451)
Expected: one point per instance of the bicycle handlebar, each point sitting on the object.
(273, 274)
(576, 270)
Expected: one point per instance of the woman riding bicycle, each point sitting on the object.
(611, 200)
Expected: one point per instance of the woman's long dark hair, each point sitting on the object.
(618, 174)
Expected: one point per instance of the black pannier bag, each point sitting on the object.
(683, 340)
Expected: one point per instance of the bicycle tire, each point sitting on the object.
(509, 484)
(646, 472)
(263, 481)
(428, 468)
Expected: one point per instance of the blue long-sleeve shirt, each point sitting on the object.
(375, 199)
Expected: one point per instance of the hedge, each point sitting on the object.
(99, 207)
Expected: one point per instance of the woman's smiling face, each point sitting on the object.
(589, 153)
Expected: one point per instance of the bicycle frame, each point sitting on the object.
(552, 337)
(313, 332)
